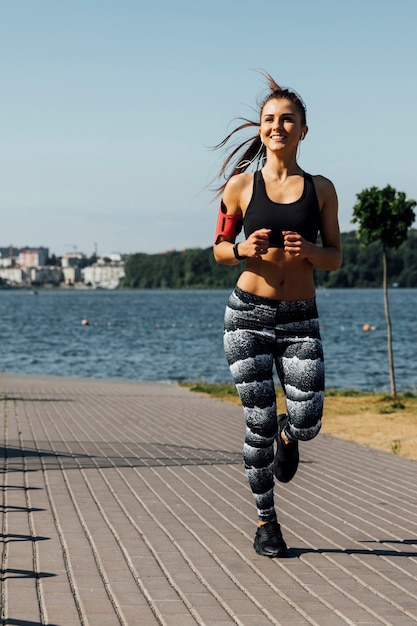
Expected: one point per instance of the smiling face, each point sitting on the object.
(281, 125)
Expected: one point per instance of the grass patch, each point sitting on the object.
(346, 393)
(220, 391)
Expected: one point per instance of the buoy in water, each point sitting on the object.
(85, 322)
(366, 327)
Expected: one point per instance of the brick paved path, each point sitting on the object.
(126, 503)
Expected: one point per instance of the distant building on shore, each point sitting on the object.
(106, 273)
(32, 257)
(9, 252)
(27, 267)
(73, 259)
(14, 275)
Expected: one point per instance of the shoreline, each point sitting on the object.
(210, 388)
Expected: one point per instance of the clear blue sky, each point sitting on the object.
(108, 107)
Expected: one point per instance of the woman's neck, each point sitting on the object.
(278, 169)
(281, 173)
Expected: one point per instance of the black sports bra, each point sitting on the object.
(301, 216)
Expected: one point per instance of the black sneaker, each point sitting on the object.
(269, 541)
(287, 456)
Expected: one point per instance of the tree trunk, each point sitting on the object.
(388, 319)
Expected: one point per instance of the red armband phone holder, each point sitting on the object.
(227, 225)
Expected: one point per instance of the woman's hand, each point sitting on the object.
(256, 245)
(295, 244)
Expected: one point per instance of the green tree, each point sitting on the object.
(384, 216)
(196, 268)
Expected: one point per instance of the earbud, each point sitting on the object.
(302, 136)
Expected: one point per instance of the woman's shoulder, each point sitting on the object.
(325, 190)
(322, 183)
(238, 189)
(239, 182)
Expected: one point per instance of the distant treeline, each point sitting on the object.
(196, 268)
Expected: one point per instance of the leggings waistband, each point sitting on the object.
(308, 304)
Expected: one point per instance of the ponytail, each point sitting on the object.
(243, 155)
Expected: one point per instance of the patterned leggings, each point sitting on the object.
(259, 332)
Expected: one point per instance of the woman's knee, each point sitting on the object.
(261, 430)
(304, 418)
(304, 433)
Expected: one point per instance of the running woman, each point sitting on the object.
(271, 319)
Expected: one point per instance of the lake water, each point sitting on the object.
(173, 335)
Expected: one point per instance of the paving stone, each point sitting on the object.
(126, 503)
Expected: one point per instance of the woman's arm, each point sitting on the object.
(236, 193)
(223, 247)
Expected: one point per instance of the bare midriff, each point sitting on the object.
(279, 276)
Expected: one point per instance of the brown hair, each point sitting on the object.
(244, 155)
